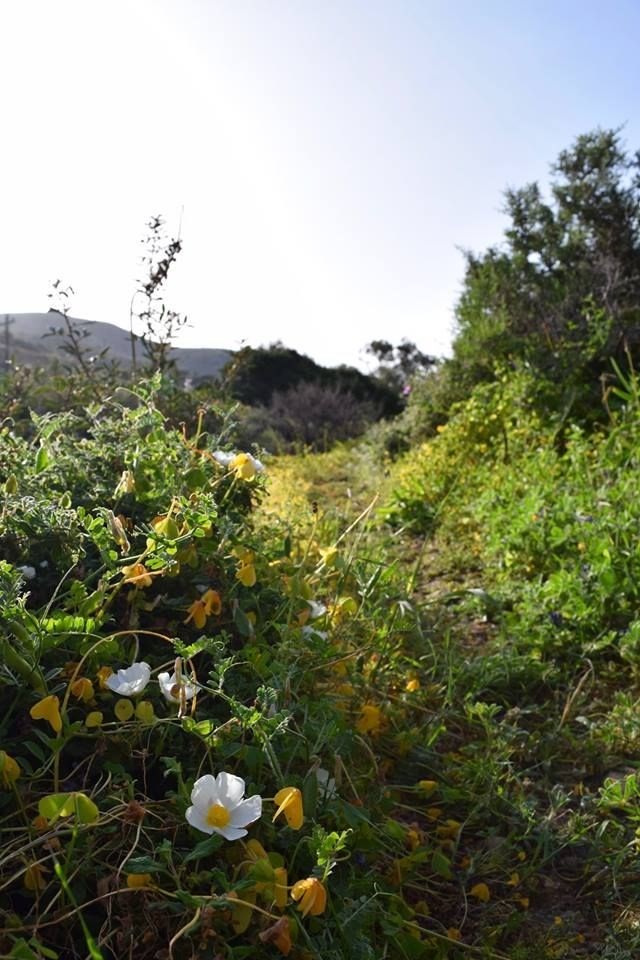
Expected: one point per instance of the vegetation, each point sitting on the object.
(356, 704)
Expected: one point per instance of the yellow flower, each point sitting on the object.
(312, 896)
(290, 803)
(245, 466)
(412, 685)
(123, 710)
(481, 892)
(34, 877)
(144, 711)
(280, 886)
(9, 770)
(196, 612)
(48, 709)
(102, 676)
(82, 688)
(137, 574)
(454, 934)
(137, 880)
(246, 572)
(370, 719)
(427, 786)
(94, 719)
(208, 604)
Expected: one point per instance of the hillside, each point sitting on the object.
(29, 343)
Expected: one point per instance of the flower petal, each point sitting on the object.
(205, 792)
(231, 833)
(197, 818)
(230, 789)
(246, 812)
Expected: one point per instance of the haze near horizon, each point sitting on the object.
(324, 163)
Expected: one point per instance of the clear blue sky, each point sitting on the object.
(327, 157)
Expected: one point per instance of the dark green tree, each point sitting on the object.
(563, 290)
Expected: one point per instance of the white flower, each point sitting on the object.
(27, 572)
(131, 681)
(224, 459)
(317, 609)
(326, 784)
(218, 806)
(171, 689)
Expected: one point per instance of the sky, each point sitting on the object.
(325, 161)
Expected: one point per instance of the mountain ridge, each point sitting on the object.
(27, 339)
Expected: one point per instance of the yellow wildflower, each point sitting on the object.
(454, 934)
(370, 719)
(246, 572)
(245, 466)
(412, 685)
(481, 892)
(280, 887)
(102, 676)
(94, 719)
(48, 709)
(290, 803)
(209, 603)
(123, 710)
(137, 574)
(137, 880)
(427, 786)
(82, 688)
(312, 896)
(144, 711)
(9, 770)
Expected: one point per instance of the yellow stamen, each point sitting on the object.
(218, 816)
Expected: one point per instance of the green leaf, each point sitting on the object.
(242, 622)
(143, 865)
(205, 848)
(441, 865)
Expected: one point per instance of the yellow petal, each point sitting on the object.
(144, 711)
(481, 892)
(82, 688)
(137, 880)
(290, 803)
(48, 709)
(123, 710)
(94, 719)
(9, 770)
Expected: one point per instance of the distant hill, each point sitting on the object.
(29, 344)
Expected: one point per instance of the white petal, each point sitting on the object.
(205, 793)
(198, 820)
(230, 789)
(231, 833)
(246, 812)
(224, 459)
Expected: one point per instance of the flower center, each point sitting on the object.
(218, 816)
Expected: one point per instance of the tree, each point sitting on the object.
(563, 290)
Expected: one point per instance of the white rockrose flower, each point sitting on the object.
(131, 681)
(224, 459)
(172, 689)
(317, 609)
(218, 806)
(27, 572)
